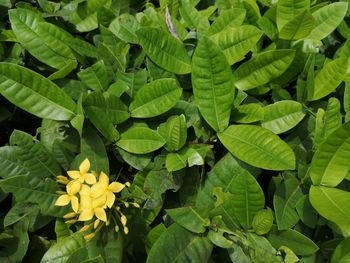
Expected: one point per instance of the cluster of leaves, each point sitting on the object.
(229, 117)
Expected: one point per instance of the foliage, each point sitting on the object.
(174, 131)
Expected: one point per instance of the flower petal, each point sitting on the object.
(85, 190)
(100, 213)
(110, 199)
(103, 179)
(86, 215)
(97, 190)
(85, 202)
(90, 178)
(96, 223)
(84, 166)
(73, 174)
(75, 203)
(116, 187)
(73, 187)
(99, 201)
(62, 200)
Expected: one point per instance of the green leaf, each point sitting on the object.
(333, 204)
(165, 50)
(258, 147)
(262, 221)
(262, 68)
(190, 14)
(95, 109)
(140, 140)
(155, 98)
(212, 85)
(44, 195)
(34, 93)
(327, 121)
(342, 252)
(61, 229)
(230, 18)
(248, 198)
(176, 133)
(93, 148)
(19, 212)
(44, 41)
(306, 212)
(124, 27)
(117, 111)
(285, 200)
(178, 160)
(222, 175)
(138, 161)
(298, 28)
(194, 219)
(9, 163)
(282, 116)
(153, 236)
(236, 42)
(287, 10)
(328, 78)
(327, 19)
(330, 163)
(248, 113)
(179, 245)
(95, 77)
(62, 250)
(300, 244)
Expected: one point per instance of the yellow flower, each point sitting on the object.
(90, 207)
(105, 190)
(82, 175)
(70, 197)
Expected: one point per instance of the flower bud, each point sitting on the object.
(89, 236)
(126, 230)
(69, 215)
(123, 220)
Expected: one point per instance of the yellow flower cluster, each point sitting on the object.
(91, 197)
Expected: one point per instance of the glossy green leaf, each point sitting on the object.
(34, 93)
(44, 41)
(178, 160)
(236, 42)
(9, 163)
(140, 140)
(44, 195)
(138, 161)
(262, 221)
(297, 28)
(327, 18)
(282, 116)
(262, 68)
(124, 27)
(248, 113)
(327, 121)
(297, 242)
(330, 163)
(93, 148)
(328, 78)
(165, 50)
(248, 198)
(212, 85)
(333, 204)
(117, 111)
(287, 10)
(285, 200)
(342, 252)
(155, 98)
(176, 133)
(190, 14)
(95, 109)
(62, 250)
(179, 245)
(230, 18)
(221, 176)
(95, 77)
(258, 147)
(194, 219)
